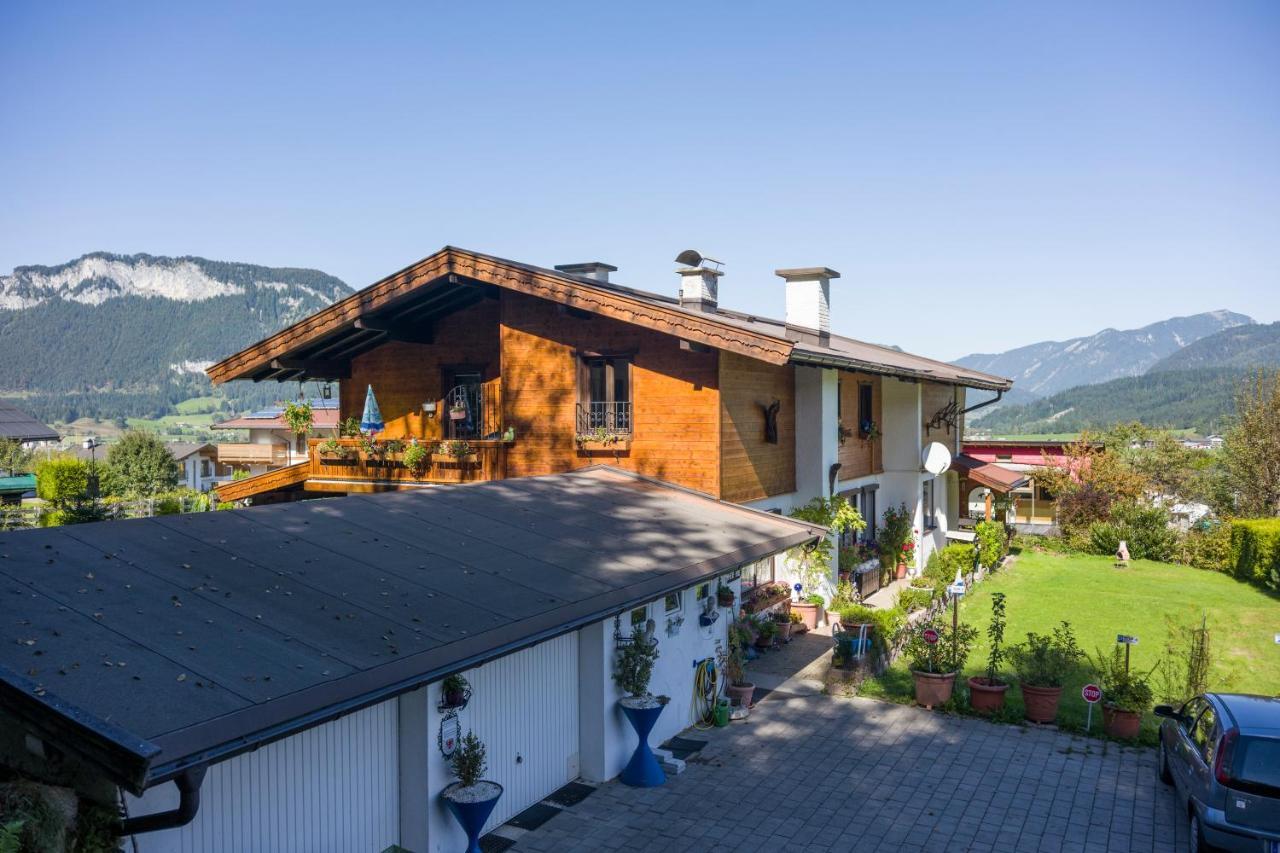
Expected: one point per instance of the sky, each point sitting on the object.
(982, 175)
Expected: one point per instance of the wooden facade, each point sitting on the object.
(860, 455)
(751, 467)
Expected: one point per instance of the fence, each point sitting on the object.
(24, 517)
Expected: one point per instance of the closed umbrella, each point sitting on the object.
(371, 421)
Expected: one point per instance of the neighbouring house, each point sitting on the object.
(201, 469)
(268, 443)
(270, 678)
(1034, 507)
(546, 370)
(17, 424)
(15, 487)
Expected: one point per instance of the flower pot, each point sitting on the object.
(1119, 723)
(725, 598)
(763, 642)
(986, 697)
(933, 688)
(471, 813)
(740, 694)
(455, 698)
(1041, 703)
(808, 613)
(643, 770)
(457, 414)
(902, 571)
(784, 631)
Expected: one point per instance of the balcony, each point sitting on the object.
(275, 455)
(350, 464)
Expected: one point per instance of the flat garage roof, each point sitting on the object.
(152, 645)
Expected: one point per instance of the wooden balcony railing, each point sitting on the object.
(253, 454)
(347, 460)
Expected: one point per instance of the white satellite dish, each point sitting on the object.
(936, 458)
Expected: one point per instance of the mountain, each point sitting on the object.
(1200, 399)
(112, 335)
(1256, 345)
(1052, 366)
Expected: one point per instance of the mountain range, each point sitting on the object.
(1045, 368)
(111, 335)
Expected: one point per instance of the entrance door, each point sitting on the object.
(464, 388)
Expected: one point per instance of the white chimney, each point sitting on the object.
(698, 287)
(591, 269)
(809, 298)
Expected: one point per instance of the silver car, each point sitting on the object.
(1221, 753)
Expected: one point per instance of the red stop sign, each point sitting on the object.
(1091, 693)
(930, 636)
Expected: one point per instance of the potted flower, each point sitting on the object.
(458, 450)
(332, 449)
(1125, 695)
(632, 669)
(298, 417)
(766, 630)
(782, 626)
(808, 608)
(936, 652)
(457, 412)
(471, 799)
(724, 595)
(868, 429)
(986, 692)
(416, 457)
(797, 623)
(739, 690)
(1042, 665)
(456, 690)
(897, 544)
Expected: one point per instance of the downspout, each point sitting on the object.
(984, 403)
(188, 782)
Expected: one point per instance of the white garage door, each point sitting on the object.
(525, 708)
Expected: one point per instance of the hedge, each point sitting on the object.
(1255, 551)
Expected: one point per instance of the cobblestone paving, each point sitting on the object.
(813, 773)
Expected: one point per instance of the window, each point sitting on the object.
(757, 573)
(1204, 736)
(672, 602)
(865, 411)
(1004, 457)
(604, 395)
(1043, 494)
(704, 591)
(927, 506)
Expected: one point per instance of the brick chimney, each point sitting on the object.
(809, 298)
(591, 269)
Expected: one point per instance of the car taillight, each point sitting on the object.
(1222, 761)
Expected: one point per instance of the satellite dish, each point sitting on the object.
(689, 258)
(936, 458)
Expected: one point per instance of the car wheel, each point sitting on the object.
(1195, 835)
(1165, 775)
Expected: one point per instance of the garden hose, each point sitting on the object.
(706, 690)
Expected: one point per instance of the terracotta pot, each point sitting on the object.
(808, 613)
(740, 694)
(933, 688)
(763, 642)
(902, 571)
(1041, 703)
(784, 631)
(986, 698)
(1121, 724)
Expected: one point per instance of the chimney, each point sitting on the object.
(591, 269)
(809, 299)
(699, 282)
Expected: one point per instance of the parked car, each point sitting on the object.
(1221, 752)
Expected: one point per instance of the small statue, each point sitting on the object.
(1122, 555)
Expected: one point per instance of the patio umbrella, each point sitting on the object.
(371, 421)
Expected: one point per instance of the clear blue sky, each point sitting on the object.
(983, 174)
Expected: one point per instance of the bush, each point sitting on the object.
(1144, 528)
(1047, 660)
(1122, 688)
(886, 623)
(468, 760)
(992, 542)
(941, 569)
(911, 599)
(1207, 548)
(947, 655)
(1255, 551)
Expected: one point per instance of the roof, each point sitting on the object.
(320, 346)
(152, 645)
(324, 415)
(15, 423)
(17, 484)
(989, 474)
(182, 449)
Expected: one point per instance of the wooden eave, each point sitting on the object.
(321, 343)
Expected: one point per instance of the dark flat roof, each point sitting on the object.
(151, 645)
(15, 423)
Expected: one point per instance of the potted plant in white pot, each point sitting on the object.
(471, 799)
(632, 669)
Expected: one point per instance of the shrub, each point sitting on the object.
(415, 458)
(947, 655)
(1046, 660)
(1144, 528)
(1207, 548)
(1255, 551)
(468, 760)
(1122, 688)
(911, 599)
(895, 533)
(633, 665)
(885, 623)
(992, 542)
(941, 569)
(995, 635)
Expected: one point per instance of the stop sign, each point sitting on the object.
(1091, 693)
(930, 636)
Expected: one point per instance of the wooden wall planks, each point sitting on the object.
(860, 457)
(750, 467)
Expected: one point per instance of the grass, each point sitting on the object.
(1100, 601)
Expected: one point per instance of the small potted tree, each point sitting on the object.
(471, 799)
(632, 669)
(1125, 695)
(739, 690)
(1042, 665)
(986, 692)
(936, 653)
(897, 544)
(766, 630)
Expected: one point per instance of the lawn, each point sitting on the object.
(1100, 601)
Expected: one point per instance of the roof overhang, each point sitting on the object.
(815, 358)
(989, 474)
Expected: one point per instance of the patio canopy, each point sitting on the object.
(154, 645)
(989, 474)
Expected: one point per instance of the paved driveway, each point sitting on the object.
(815, 773)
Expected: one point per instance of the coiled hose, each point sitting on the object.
(706, 690)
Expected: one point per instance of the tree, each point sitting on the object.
(14, 458)
(63, 483)
(143, 465)
(1089, 483)
(1251, 451)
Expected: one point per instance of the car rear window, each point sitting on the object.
(1258, 762)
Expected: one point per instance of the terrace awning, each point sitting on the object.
(989, 474)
